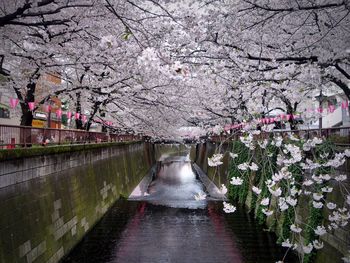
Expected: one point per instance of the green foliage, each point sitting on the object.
(259, 215)
(339, 139)
(288, 218)
(239, 193)
(316, 215)
(268, 158)
(315, 219)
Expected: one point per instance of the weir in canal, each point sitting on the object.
(161, 221)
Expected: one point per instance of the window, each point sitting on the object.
(4, 113)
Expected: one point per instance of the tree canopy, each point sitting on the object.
(155, 66)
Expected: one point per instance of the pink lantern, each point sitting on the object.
(288, 117)
(31, 106)
(69, 115)
(272, 120)
(84, 118)
(59, 113)
(14, 102)
(345, 104)
(77, 115)
(331, 108)
(282, 116)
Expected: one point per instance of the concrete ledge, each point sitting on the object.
(18, 153)
(213, 190)
(21, 165)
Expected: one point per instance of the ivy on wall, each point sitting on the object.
(281, 221)
(238, 193)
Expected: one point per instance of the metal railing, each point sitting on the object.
(25, 136)
(340, 135)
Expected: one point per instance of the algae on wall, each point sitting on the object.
(43, 218)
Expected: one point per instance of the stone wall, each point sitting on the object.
(48, 203)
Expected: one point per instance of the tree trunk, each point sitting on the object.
(291, 121)
(27, 115)
(78, 122)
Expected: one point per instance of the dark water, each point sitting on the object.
(170, 226)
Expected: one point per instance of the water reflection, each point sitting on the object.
(176, 185)
(139, 232)
(163, 224)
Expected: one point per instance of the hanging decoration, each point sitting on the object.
(31, 106)
(59, 113)
(69, 115)
(13, 102)
(287, 117)
(77, 115)
(345, 104)
(320, 110)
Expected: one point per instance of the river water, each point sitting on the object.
(164, 223)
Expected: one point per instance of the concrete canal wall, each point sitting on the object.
(49, 198)
(219, 175)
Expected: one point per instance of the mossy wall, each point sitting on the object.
(48, 203)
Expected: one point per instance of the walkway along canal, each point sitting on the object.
(162, 222)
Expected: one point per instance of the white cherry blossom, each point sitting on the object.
(265, 201)
(295, 228)
(228, 208)
(256, 190)
(320, 230)
(236, 181)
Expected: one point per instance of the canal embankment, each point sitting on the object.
(50, 197)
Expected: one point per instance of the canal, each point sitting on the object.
(162, 222)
